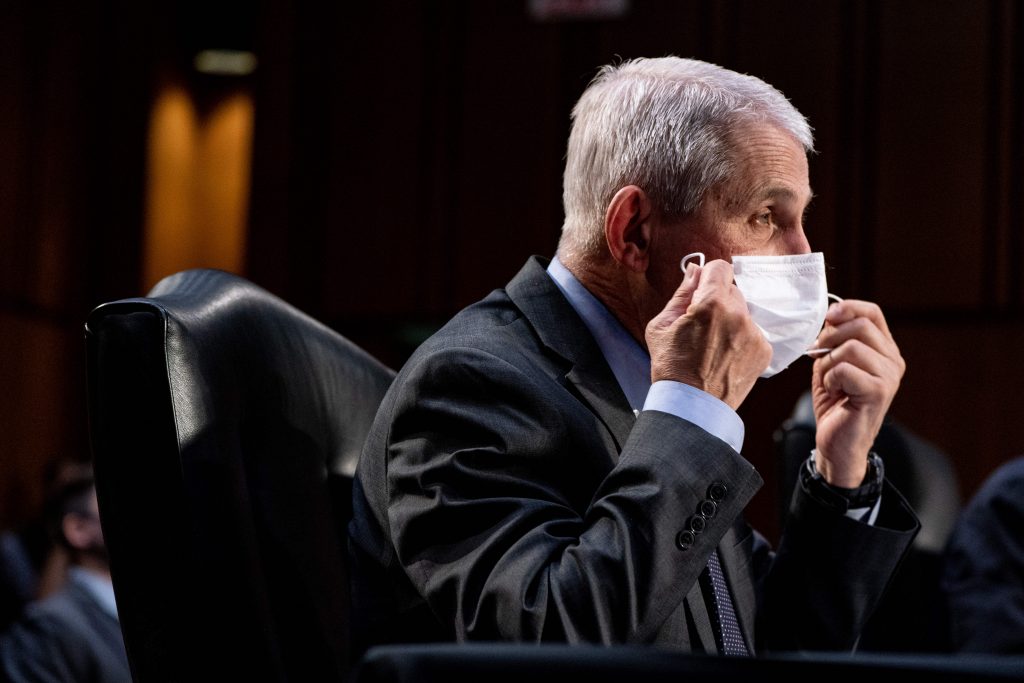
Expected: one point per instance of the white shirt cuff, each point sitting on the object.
(699, 407)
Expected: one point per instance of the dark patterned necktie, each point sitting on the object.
(724, 614)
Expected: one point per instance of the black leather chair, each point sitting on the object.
(911, 617)
(225, 428)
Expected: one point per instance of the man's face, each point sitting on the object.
(83, 532)
(759, 210)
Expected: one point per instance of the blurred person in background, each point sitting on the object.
(72, 634)
(983, 567)
(32, 565)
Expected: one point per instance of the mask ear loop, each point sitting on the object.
(817, 353)
(699, 255)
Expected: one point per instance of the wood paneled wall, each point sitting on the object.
(74, 79)
(407, 159)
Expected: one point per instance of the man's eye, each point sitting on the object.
(765, 217)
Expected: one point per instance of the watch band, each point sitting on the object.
(839, 498)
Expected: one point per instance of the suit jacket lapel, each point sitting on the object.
(698, 607)
(562, 330)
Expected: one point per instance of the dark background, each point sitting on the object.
(407, 158)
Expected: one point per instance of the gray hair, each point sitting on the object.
(663, 125)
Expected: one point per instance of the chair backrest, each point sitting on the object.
(225, 428)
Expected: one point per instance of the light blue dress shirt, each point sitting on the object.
(99, 587)
(631, 365)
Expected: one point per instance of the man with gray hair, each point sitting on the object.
(563, 460)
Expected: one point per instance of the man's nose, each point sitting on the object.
(797, 243)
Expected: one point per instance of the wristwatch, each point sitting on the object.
(839, 498)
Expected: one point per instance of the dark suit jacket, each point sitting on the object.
(983, 567)
(507, 492)
(66, 637)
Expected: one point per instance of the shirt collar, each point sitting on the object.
(98, 587)
(627, 359)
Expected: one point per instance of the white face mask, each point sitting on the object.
(787, 299)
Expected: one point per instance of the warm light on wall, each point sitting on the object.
(197, 184)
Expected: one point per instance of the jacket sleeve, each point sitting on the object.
(30, 651)
(513, 514)
(830, 572)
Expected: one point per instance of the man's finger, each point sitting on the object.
(680, 301)
(848, 309)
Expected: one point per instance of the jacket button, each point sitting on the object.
(697, 524)
(717, 491)
(685, 539)
(707, 508)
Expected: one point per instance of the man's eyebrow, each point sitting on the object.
(778, 192)
(766, 193)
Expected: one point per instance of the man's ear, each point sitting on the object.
(76, 530)
(627, 228)
(82, 532)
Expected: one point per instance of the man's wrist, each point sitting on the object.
(839, 498)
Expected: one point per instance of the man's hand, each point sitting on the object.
(852, 386)
(705, 337)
